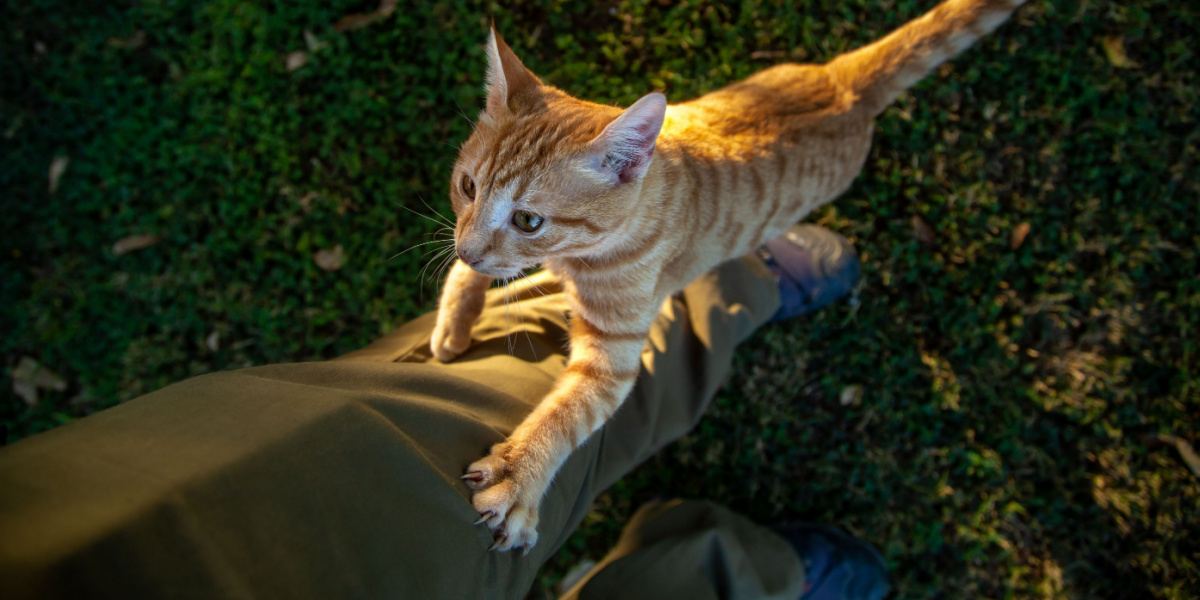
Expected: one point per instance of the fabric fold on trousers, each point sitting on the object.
(340, 478)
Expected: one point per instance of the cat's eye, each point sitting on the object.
(526, 221)
(467, 186)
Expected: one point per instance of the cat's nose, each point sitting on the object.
(471, 261)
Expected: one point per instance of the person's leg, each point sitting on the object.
(699, 550)
(687, 357)
(340, 479)
(694, 550)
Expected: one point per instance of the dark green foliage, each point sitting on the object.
(1002, 443)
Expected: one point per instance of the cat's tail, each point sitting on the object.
(881, 71)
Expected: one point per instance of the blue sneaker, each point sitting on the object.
(815, 267)
(837, 566)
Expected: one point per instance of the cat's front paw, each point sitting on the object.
(508, 508)
(448, 343)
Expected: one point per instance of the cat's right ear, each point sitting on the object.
(622, 152)
(510, 86)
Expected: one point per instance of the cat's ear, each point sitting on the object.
(510, 86)
(624, 149)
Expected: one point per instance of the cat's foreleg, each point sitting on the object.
(458, 309)
(509, 483)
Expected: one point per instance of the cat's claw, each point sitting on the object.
(487, 470)
(508, 509)
(518, 530)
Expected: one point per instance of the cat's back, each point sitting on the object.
(777, 99)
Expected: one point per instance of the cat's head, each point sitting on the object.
(545, 175)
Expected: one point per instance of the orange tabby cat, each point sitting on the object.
(629, 206)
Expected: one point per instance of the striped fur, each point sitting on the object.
(730, 170)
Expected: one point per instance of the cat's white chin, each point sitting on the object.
(497, 273)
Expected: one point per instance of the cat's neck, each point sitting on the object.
(650, 231)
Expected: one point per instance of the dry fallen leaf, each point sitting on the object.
(296, 59)
(768, 54)
(1018, 235)
(126, 245)
(29, 376)
(58, 166)
(130, 43)
(922, 231)
(313, 42)
(306, 201)
(1114, 48)
(358, 20)
(851, 394)
(1185, 450)
(331, 259)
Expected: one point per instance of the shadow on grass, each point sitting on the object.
(979, 487)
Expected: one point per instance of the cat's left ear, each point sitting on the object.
(624, 149)
(510, 86)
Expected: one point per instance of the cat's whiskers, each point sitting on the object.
(528, 338)
(449, 241)
(585, 263)
(506, 298)
(514, 319)
(439, 258)
(447, 260)
(440, 220)
(510, 340)
(445, 265)
(440, 217)
(525, 330)
(463, 113)
(440, 255)
(429, 261)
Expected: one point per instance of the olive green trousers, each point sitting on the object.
(340, 479)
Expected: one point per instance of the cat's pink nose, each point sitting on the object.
(471, 262)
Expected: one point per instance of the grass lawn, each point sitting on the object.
(993, 412)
